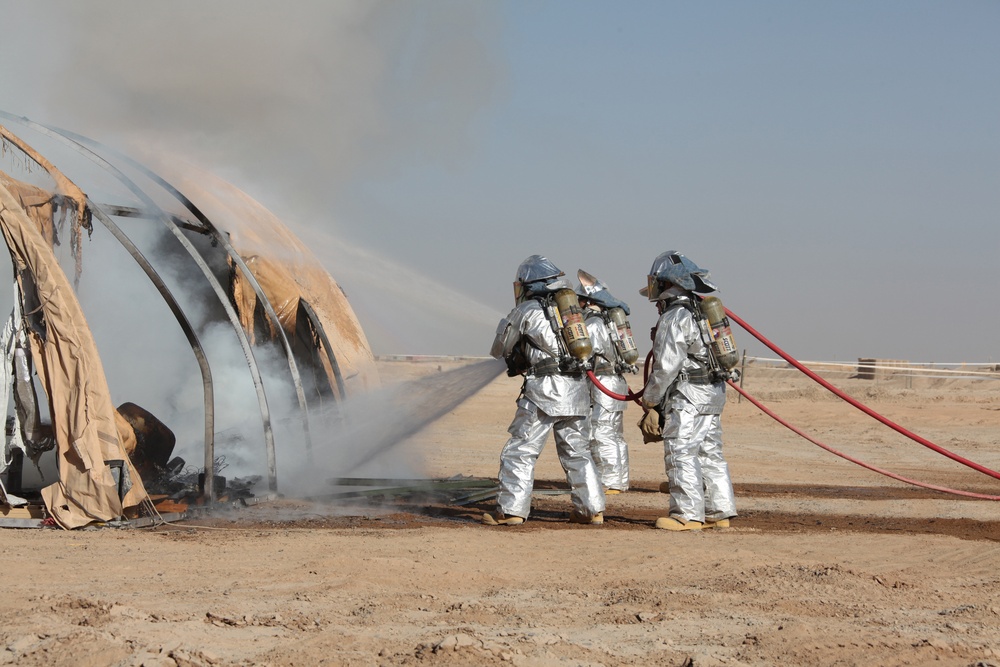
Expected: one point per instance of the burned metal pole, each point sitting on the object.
(189, 333)
(331, 357)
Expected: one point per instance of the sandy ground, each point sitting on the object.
(828, 564)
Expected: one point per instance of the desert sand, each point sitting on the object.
(827, 564)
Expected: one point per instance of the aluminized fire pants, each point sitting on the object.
(608, 447)
(699, 480)
(528, 433)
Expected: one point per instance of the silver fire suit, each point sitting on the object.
(607, 441)
(691, 406)
(549, 402)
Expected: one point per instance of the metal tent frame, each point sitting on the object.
(96, 153)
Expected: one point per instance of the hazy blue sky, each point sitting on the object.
(835, 165)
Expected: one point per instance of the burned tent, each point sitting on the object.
(54, 335)
(228, 259)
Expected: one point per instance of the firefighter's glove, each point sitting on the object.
(650, 426)
(734, 376)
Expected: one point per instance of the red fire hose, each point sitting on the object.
(635, 396)
(861, 463)
(630, 396)
(861, 406)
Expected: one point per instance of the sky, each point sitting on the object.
(836, 166)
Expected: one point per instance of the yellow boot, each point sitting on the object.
(676, 523)
(596, 520)
(500, 519)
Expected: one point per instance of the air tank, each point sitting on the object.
(624, 341)
(574, 331)
(723, 344)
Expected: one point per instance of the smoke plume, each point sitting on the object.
(292, 102)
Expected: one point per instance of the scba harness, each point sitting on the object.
(708, 371)
(613, 363)
(570, 334)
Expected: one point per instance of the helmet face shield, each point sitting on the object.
(652, 288)
(591, 290)
(589, 284)
(519, 292)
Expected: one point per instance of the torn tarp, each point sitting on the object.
(84, 418)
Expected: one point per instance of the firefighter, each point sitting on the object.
(554, 397)
(687, 391)
(614, 354)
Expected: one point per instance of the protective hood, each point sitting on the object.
(545, 287)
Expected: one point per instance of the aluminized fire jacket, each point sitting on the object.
(607, 441)
(697, 473)
(548, 403)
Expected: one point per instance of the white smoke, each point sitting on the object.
(289, 101)
(403, 309)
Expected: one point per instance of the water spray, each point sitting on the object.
(365, 427)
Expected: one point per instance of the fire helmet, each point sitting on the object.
(535, 274)
(674, 268)
(592, 289)
(537, 268)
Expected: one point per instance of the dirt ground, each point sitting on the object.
(827, 564)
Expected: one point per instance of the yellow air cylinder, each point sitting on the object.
(626, 344)
(574, 331)
(723, 343)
